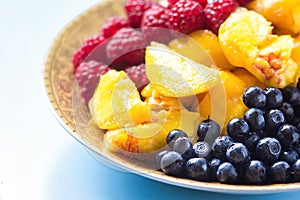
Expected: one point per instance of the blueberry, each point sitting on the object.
(197, 169)
(202, 149)
(158, 156)
(213, 165)
(297, 110)
(238, 154)
(288, 136)
(274, 119)
(255, 119)
(183, 145)
(173, 135)
(274, 97)
(254, 97)
(291, 95)
(255, 172)
(208, 130)
(220, 145)
(279, 172)
(172, 163)
(295, 170)
(290, 156)
(251, 142)
(268, 150)
(298, 84)
(288, 111)
(227, 173)
(238, 129)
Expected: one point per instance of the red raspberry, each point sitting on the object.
(87, 76)
(202, 2)
(155, 24)
(138, 75)
(135, 10)
(112, 25)
(217, 12)
(243, 2)
(88, 51)
(126, 46)
(186, 16)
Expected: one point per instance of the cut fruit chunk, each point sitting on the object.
(174, 75)
(266, 56)
(116, 102)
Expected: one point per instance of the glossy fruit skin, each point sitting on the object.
(183, 145)
(158, 157)
(238, 154)
(172, 163)
(268, 150)
(220, 146)
(279, 172)
(202, 149)
(295, 170)
(288, 136)
(254, 97)
(255, 172)
(208, 130)
(186, 16)
(288, 111)
(274, 119)
(135, 10)
(213, 165)
(255, 119)
(251, 142)
(291, 95)
(227, 173)
(238, 129)
(197, 169)
(173, 135)
(290, 156)
(274, 97)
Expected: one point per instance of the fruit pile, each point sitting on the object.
(262, 147)
(149, 78)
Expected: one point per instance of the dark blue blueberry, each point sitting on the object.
(254, 97)
(173, 135)
(172, 163)
(297, 110)
(291, 95)
(274, 119)
(197, 169)
(208, 130)
(238, 154)
(295, 170)
(220, 145)
(251, 142)
(183, 145)
(288, 111)
(255, 119)
(157, 158)
(288, 136)
(202, 149)
(274, 97)
(268, 150)
(227, 173)
(213, 165)
(255, 172)
(298, 84)
(279, 172)
(290, 156)
(238, 129)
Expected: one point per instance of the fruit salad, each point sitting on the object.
(210, 88)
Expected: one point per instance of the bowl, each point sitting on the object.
(62, 95)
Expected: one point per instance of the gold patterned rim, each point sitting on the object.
(58, 79)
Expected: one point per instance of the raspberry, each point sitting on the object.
(216, 13)
(138, 75)
(87, 51)
(186, 16)
(243, 2)
(112, 25)
(128, 46)
(135, 10)
(202, 2)
(155, 24)
(87, 76)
